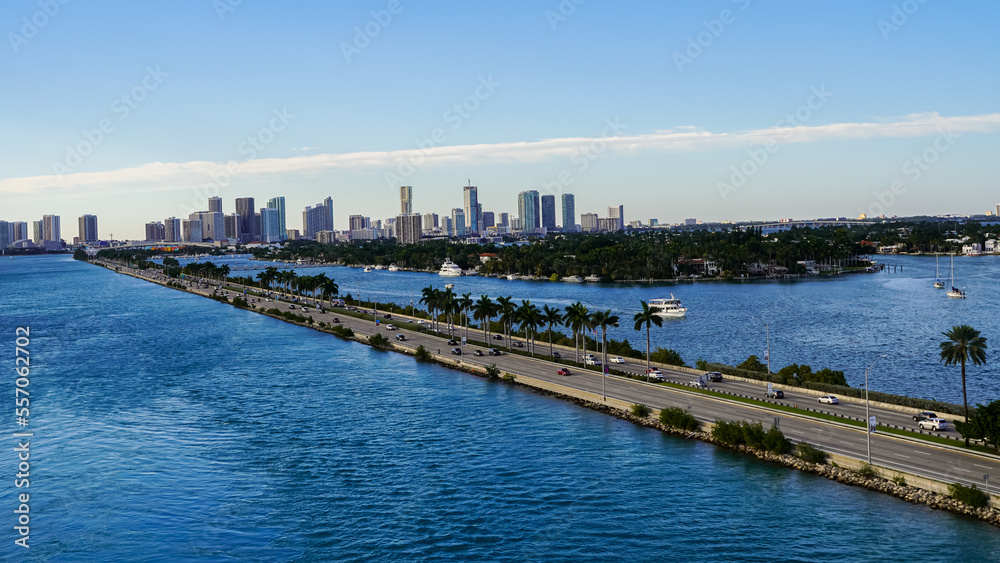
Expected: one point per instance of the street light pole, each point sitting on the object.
(868, 424)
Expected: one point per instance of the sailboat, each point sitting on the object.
(954, 291)
(938, 284)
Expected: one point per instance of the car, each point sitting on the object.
(335, 320)
(557, 355)
(305, 309)
(591, 361)
(497, 337)
(518, 344)
(290, 306)
(452, 342)
(563, 371)
(656, 374)
(387, 316)
(699, 384)
(477, 353)
(933, 424)
(714, 376)
(456, 351)
(923, 416)
(829, 399)
(495, 352)
(390, 327)
(616, 360)
(401, 337)
(775, 394)
(654, 371)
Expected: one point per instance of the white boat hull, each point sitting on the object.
(674, 314)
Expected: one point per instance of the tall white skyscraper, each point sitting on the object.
(270, 225)
(279, 204)
(528, 210)
(405, 200)
(50, 228)
(618, 212)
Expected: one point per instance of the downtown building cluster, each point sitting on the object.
(45, 234)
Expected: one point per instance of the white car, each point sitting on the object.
(933, 424)
(829, 399)
(591, 361)
(390, 327)
(617, 360)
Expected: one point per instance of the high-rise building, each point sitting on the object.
(245, 210)
(617, 212)
(458, 222)
(549, 212)
(6, 234)
(326, 237)
(528, 210)
(568, 212)
(172, 230)
(213, 224)
(215, 204)
(88, 228)
(654, 222)
(505, 219)
(279, 204)
(38, 232)
(291, 234)
(488, 220)
(191, 230)
(154, 231)
(447, 226)
(430, 221)
(20, 230)
(319, 218)
(406, 200)
(588, 222)
(471, 209)
(409, 228)
(232, 229)
(270, 225)
(358, 222)
(50, 228)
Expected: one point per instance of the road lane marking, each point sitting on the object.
(901, 455)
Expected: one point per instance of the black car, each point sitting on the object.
(494, 352)
(497, 337)
(518, 344)
(477, 353)
(556, 355)
(775, 394)
(387, 316)
(456, 351)
(453, 342)
(400, 337)
(714, 376)
(923, 416)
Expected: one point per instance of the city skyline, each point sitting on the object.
(704, 112)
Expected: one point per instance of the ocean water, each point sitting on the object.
(168, 427)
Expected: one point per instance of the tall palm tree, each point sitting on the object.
(646, 317)
(449, 306)
(482, 310)
(267, 277)
(604, 319)
(576, 317)
(224, 273)
(963, 344)
(507, 310)
(551, 316)
(430, 298)
(530, 318)
(329, 289)
(464, 302)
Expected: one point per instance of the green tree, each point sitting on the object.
(508, 313)
(604, 319)
(646, 317)
(964, 344)
(483, 310)
(80, 254)
(983, 424)
(753, 363)
(667, 356)
(530, 318)
(551, 316)
(576, 318)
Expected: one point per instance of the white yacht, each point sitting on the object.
(954, 291)
(513, 277)
(670, 308)
(380, 267)
(938, 284)
(573, 279)
(450, 269)
(393, 268)
(368, 268)
(593, 278)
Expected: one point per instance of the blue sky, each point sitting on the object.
(267, 87)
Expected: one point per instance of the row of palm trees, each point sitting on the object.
(529, 318)
(317, 287)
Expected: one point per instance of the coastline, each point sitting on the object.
(843, 469)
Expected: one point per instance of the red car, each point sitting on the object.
(563, 371)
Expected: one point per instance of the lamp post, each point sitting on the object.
(767, 336)
(867, 415)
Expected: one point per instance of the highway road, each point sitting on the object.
(942, 463)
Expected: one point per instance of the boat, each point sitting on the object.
(449, 286)
(954, 291)
(393, 268)
(368, 268)
(938, 284)
(450, 269)
(670, 308)
(513, 277)
(380, 267)
(572, 279)
(593, 278)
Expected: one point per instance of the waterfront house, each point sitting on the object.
(991, 246)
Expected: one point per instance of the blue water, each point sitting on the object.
(842, 323)
(169, 427)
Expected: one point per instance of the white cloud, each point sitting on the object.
(157, 176)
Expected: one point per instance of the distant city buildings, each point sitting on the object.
(471, 210)
(88, 228)
(172, 229)
(316, 219)
(549, 212)
(215, 204)
(279, 204)
(409, 228)
(155, 231)
(618, 214)
(458, 222)
(405, 200)
(588, 222)
(528, 211)
(270, 225)
(568, 213)
(245, 211)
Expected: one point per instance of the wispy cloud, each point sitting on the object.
(157, 176)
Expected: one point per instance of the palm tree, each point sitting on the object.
(508, 311)
(963, 344)
(224, 272)
(464, 302)
(329, 289)
(576, 317)
(646, 317)
(267, 277)
(482, 310)
(604, 319)
(530, 318)
(551, 316)
(430, 299)
(449, 306)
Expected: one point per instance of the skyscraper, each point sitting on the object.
(430, 221)
(488, 220)
(213, 224)
(38, 232)
(20, 230)
(154, 231)
(588, 222)
(245, 210)
(406, 200)
(471, 209)
(191, 230)
(215, 204)
(458, 222)
(549, 212)
(6, 234)
(279, 204)
(319, 218)
(357, 222)
(618, 212)
(528, 210)
(50, 228)
(270, 225)
(172, 230)
(409, 228)
(232, 230)
(88, 228)
(505, 220)
(568, 212)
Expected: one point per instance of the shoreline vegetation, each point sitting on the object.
(744, 438)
